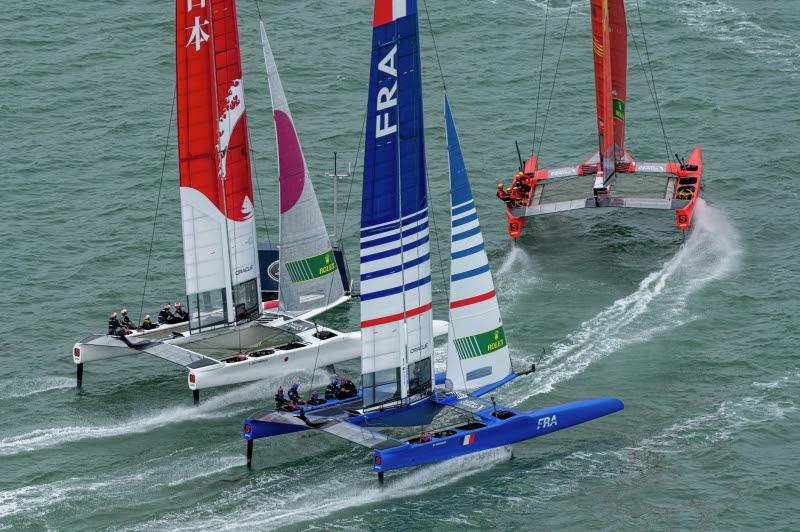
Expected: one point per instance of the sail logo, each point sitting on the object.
(619, 109)
(480, 344)
(386, 99)
(547, 422)
(234, 111)
(197, 36)
(312, 267)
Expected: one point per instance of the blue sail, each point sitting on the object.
(396, 319)
(477, 350)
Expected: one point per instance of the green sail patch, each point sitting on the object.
(481, 344)
(619, 109)
(312, 267)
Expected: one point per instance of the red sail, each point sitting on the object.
(610, 47)
(212, 128)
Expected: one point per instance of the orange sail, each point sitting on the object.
(610, 47)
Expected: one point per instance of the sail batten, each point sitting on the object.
(308, 276)
(477, 350)
(219, 238)
(396, 308)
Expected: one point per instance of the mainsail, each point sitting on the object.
(610, 46)
(308, 276)
(219, 232)
(396, 316)
(477, 351)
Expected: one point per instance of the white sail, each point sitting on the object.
(308, 273)
(477, 351)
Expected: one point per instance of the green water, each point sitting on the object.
(698, 340)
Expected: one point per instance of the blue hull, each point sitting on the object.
(496, 433)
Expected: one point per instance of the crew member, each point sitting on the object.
(314, 399)
(332, 389)
(113, 324)
(294, 394)
(180, 313)
(165, 316)
(425, 437)
(502, 194)
(126, 321)
(280, 400)
(148, 324)
(347, 389)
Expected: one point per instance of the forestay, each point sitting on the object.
(219, 232)
(396, 317)
(308, 277)
(477, 351)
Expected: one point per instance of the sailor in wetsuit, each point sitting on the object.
(347, 389)
(113, 324)
(126, 321)
(504, 197)
(332, 389)
(147, 323)
(180, 313)
(280, 400)
(294, 394)
(314, 398)
(165, 316)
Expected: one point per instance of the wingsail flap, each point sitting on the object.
(308, 276)
(219, 232)
(477, 351)
(396, 316)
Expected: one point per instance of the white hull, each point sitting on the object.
(304, 355)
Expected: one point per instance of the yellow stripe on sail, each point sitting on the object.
(598, 47)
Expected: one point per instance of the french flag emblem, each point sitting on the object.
(388, 11)
(469, 439)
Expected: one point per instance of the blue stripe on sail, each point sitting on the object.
(467, 274)
(467, 252)
(466, 219)
(393, 226)
(462, 208)
(460, 191)
(394, 238)
(396, 269)
(396, 289)
(461, 236)
(395, 251)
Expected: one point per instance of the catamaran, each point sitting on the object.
(399, 390)
(230, 337)
(652, 185)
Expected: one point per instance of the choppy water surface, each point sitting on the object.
(697, 338)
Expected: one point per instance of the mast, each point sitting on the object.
(396, 316)
(306, 254)
(610, 47)
(216, 188)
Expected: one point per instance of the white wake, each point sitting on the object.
(711, 252)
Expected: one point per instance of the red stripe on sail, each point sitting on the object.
(211, 106)
(396, 317)
(472, 300)
(383, 13)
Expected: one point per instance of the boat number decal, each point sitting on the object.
(547, 422)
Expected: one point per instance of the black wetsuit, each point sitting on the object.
(126, 322)
(165, 316)
(180, 315)
(348, 390)
(294, 396)
(113, 325)
(332, 391)
(280, 401)
(316, 401)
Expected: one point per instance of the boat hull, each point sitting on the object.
(496, 433)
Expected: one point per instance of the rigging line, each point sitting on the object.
(435, 48)
(653, 79)
(541, 69)
(555, 76)
(158, 199)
